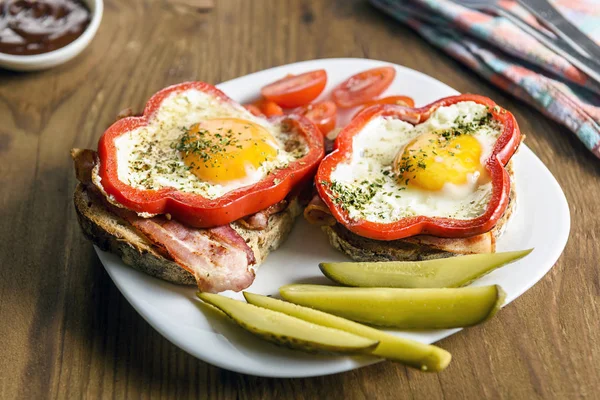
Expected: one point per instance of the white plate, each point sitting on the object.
(541, 221)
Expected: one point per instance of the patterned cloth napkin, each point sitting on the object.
(512, 59)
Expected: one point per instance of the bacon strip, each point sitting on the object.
(216, 265)
(260, 220)
(219, 258)
(84, 161)
(226, 234)
(317, 213)
(484, 243)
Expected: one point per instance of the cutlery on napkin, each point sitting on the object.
(511, 58)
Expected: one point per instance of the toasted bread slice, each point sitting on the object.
(422, 247)
(112, 233)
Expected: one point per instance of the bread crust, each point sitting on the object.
(112, 233)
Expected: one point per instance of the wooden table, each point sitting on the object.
(66, 332)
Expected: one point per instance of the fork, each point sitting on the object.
(558, 45)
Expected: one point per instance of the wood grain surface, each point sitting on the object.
(65, 330)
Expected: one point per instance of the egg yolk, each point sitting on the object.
(434, 159)
(226, 149)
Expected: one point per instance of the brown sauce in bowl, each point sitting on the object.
(39, 26)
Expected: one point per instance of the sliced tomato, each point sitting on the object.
(296, 90)
(268, 108)
(398, 100)
(362, 87)
(254, 110)
(321, 114)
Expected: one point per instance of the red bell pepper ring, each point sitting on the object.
(505, 146)
(194, 209)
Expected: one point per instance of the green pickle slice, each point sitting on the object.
(288, 331)
(425, 357)
(445, 272)
(401, 308)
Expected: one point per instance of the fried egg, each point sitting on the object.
(198, 143)
(433, 169)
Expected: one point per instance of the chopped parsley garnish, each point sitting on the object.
(347, 196)
(205, 145)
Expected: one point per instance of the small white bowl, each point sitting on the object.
(56, 57)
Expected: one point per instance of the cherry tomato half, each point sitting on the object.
(268, 108)
(321, 114)
(296, 90)
(254, 110)
(362, 87)
(399, 100)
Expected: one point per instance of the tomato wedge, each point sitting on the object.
(398, 100)
(362, 87)
(321, 114)
(268, 108)
(296, 90)
(254, 110)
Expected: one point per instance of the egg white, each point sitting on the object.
(374, 150)
(146, 159)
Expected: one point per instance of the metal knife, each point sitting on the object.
(554, 21)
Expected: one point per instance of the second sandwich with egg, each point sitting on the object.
(416, 183)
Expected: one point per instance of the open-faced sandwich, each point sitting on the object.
(409, 183)
(196, 190)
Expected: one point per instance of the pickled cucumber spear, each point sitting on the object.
(445, 272)
(288, 331)
(401, 308)
(426, 357)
